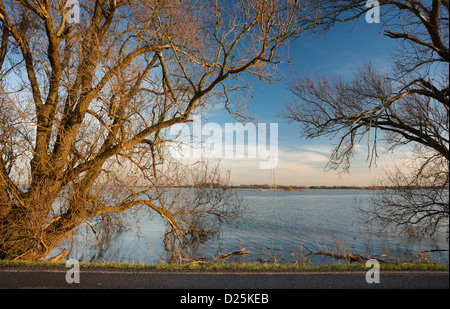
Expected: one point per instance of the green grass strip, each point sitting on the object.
(227, 266)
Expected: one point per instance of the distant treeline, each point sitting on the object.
(296, 188)
(289, 188)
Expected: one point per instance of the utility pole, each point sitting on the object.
(273, 184)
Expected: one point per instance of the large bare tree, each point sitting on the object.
(406, 105)
(86, 97)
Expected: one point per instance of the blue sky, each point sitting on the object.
(302, 162)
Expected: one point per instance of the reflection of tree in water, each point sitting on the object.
(93, 242)
(112, 226)
(204, 206)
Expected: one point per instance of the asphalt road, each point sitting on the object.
(18, 278)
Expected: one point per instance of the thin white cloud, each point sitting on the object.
(304, 157)
(317, 148)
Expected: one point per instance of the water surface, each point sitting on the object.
(283, 227)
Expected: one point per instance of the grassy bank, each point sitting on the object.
(225, 266)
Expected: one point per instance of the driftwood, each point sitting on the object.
(60, 257)
(348, 257)
(234, 253)
(243, 252)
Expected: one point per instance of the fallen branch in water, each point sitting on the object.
(243, 252)
(234, 253)
(348, 257)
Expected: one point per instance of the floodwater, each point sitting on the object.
(281, 227)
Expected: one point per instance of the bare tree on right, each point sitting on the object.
(408, 105)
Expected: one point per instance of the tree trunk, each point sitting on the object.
(23, 237)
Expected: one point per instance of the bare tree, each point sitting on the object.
(82, 101)
(409, 105)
